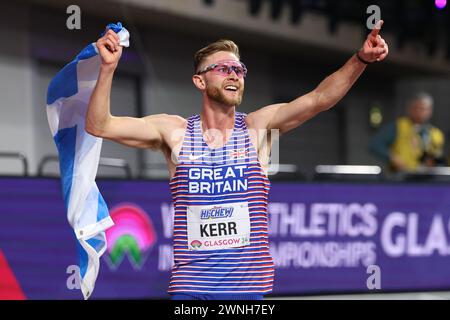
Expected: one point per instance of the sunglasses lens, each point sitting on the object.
(239, 71)
(225, 70)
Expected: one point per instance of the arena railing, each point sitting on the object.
(348, 173)
(103, 162)
(19, 156)
(375, 173)
(433, 174)
(286, 172)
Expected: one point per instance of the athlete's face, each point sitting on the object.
(225, 83)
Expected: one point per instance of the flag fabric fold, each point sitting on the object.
(79, 154)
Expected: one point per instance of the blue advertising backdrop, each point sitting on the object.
(324, 238)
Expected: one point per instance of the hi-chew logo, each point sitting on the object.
(133, 235)
(216, 212)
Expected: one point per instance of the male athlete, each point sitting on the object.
(218, 169)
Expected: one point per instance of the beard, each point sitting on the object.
(217, 95)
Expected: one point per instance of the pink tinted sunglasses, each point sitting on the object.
(226, 68)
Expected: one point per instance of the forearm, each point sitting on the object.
(331, 90)
(290, 115)
(99, 112)
(287, 116)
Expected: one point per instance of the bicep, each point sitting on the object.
(135, 132)
(286, 116)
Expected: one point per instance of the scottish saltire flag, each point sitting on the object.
(79, 153)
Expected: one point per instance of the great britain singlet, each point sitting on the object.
(220, 196)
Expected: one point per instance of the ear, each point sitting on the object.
(199, 82)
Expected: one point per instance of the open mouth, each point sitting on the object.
(231, 88)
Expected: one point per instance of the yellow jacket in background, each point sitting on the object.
(410, 147)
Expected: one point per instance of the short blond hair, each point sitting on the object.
(219, 45)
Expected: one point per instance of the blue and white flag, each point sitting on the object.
(79, 154)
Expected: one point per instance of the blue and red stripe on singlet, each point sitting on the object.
(242, 270)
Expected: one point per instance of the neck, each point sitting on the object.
(217, 121)
(217, 116)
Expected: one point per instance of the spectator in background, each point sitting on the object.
(411, 142)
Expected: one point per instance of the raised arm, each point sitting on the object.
(287, 116)
(146, 132)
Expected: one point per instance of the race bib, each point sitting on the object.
(216, 227)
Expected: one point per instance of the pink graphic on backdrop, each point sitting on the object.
(132, 235)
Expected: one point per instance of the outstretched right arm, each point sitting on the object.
(146, 132)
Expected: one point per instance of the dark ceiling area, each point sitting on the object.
(419, 21)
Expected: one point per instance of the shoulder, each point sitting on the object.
(167, 125)
(164, 119)
(403, 120)
(403, 125)
(260, 118)
(437, 134)
(437, 130)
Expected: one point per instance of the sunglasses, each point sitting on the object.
(225, 69)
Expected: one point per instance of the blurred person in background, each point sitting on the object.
(411, 142)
